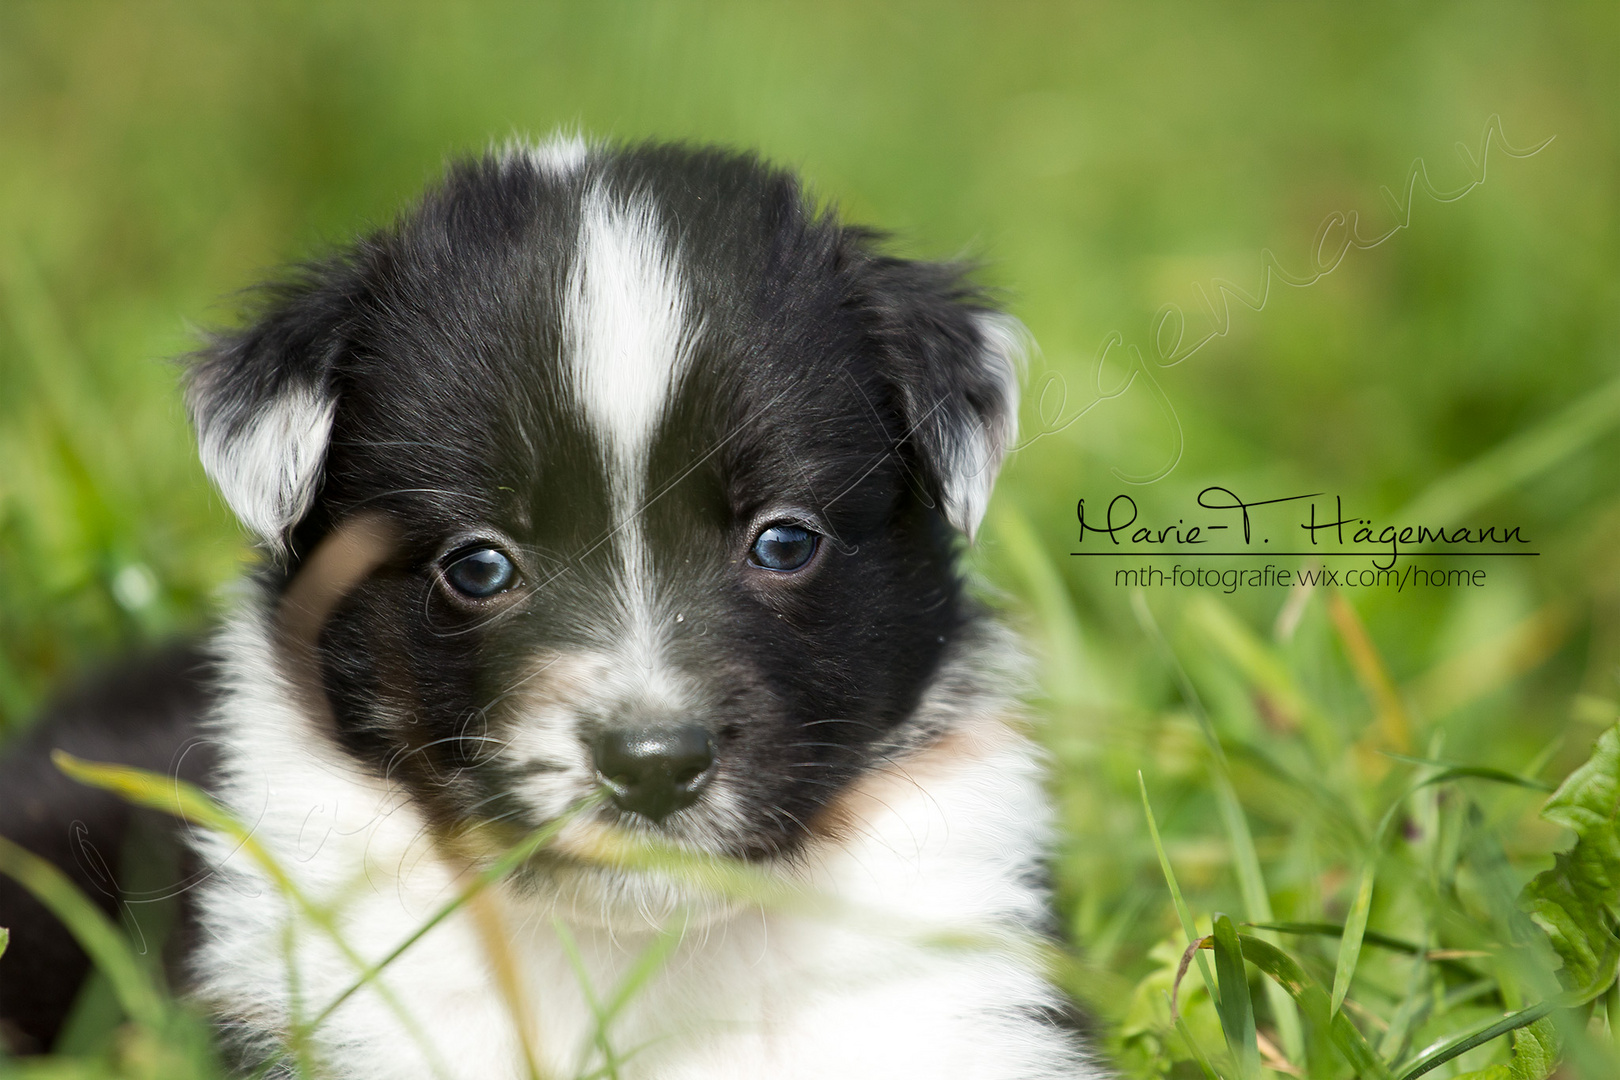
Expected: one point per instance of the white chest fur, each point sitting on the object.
(855, 984)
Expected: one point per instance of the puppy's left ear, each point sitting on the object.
(262, 402)
(956, 362)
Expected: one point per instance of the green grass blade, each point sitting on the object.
(92, 1020)
(1235, 1009)
(1245, 860)
(172, 796)
(1328, 929)
(1355, 926)
(1183, 912)
(1265, 670)
(1256, 900)
(515, 855)
(647, 964)
(599, 1018)
(1510, 463)
(5, 940)
(1461, 1044)
(109, 950)
(1450, 771)
(1189, 692)
(1192, 1044)
(1313, 1001)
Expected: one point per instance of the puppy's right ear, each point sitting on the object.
(262, 402)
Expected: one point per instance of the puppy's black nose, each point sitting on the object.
(655, 771)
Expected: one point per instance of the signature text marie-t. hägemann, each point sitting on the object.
(1325, 530)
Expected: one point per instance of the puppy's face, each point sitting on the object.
(675, 470)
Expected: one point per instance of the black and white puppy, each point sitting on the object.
(626, 473)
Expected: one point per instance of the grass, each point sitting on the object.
(1105, 161)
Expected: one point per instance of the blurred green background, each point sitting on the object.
(1100, 159)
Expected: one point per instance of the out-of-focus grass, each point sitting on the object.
(1102, 159)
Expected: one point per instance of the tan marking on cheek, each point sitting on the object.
(881, 789)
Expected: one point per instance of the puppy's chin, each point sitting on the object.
(630, 901)
(631, 880)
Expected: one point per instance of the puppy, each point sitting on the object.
(612, 504)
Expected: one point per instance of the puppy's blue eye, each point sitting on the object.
(783, 548)
(481, 573)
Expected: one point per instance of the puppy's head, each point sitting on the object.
(676, 468)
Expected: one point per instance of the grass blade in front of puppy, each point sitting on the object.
(603, 1013)
(298, 1036)
(109, 950)
(180, 799)
(512, 858)
(1245, 860)
(653, 957)
(740, 880)
(599, 1020)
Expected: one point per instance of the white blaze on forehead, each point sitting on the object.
(627, 325)
(628, 333)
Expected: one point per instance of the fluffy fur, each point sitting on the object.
(618, 367)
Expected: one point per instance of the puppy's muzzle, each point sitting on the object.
(655, 771)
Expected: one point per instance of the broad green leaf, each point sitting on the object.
(1535, 1050)
(1574, 901)
(1585, 802)
(1235, 1009)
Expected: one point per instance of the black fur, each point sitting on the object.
(146, 714)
